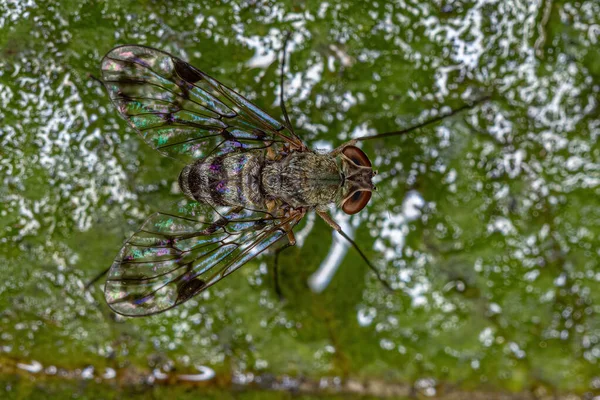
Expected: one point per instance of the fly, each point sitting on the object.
(249, 180)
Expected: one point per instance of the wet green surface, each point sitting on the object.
(487, 224)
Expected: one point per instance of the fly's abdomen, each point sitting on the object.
(227, 180)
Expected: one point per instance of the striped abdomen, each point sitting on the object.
(232, 179)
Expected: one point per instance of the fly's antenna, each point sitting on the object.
(281, 74)
(364, 257)
(382, 199)
(431, 121)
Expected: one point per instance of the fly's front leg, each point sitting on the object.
(327, 218)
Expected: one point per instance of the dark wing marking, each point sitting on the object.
(172, 258)
(181, 111)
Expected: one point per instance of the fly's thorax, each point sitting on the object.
(303, 179)
(227, 180)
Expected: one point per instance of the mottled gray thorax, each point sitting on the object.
(250, 180)
(303, 179)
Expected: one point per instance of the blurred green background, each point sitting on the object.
(487, 224)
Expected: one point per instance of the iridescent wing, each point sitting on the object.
(181, 111)
(173, 258)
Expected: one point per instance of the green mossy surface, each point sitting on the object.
(487, 224)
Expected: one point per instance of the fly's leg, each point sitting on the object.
(327, 218)
(271, 155)
(290, 243)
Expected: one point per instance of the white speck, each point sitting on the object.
(205, 374)
(450, 177)
(412, 205)
(513, 163)
(199, 19)
(532, 275)
(34, 367)
(263, 56)
(486, 337)
(366, 316)
(574, 163)
(362, 130)
(88, 372)
(158, 374)
(427, 386)
(417, 293)
(495, 308)
(502, 225)
(109, 373)
(516, 350)
(386, 344)
(341, 55)
(395, 226)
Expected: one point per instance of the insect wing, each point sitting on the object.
(173, 258)
(181, 111)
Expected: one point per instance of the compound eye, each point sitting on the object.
(357, 156)
(356, 202)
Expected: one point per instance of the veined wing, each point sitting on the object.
(181, 111)
(173, 258)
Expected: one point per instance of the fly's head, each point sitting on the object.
(357, 183)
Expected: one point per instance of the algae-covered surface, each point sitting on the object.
(486, 224)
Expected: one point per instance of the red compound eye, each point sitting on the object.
(356, 202)
(357, 156)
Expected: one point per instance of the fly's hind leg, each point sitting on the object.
(290, 243)
(327, 218)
